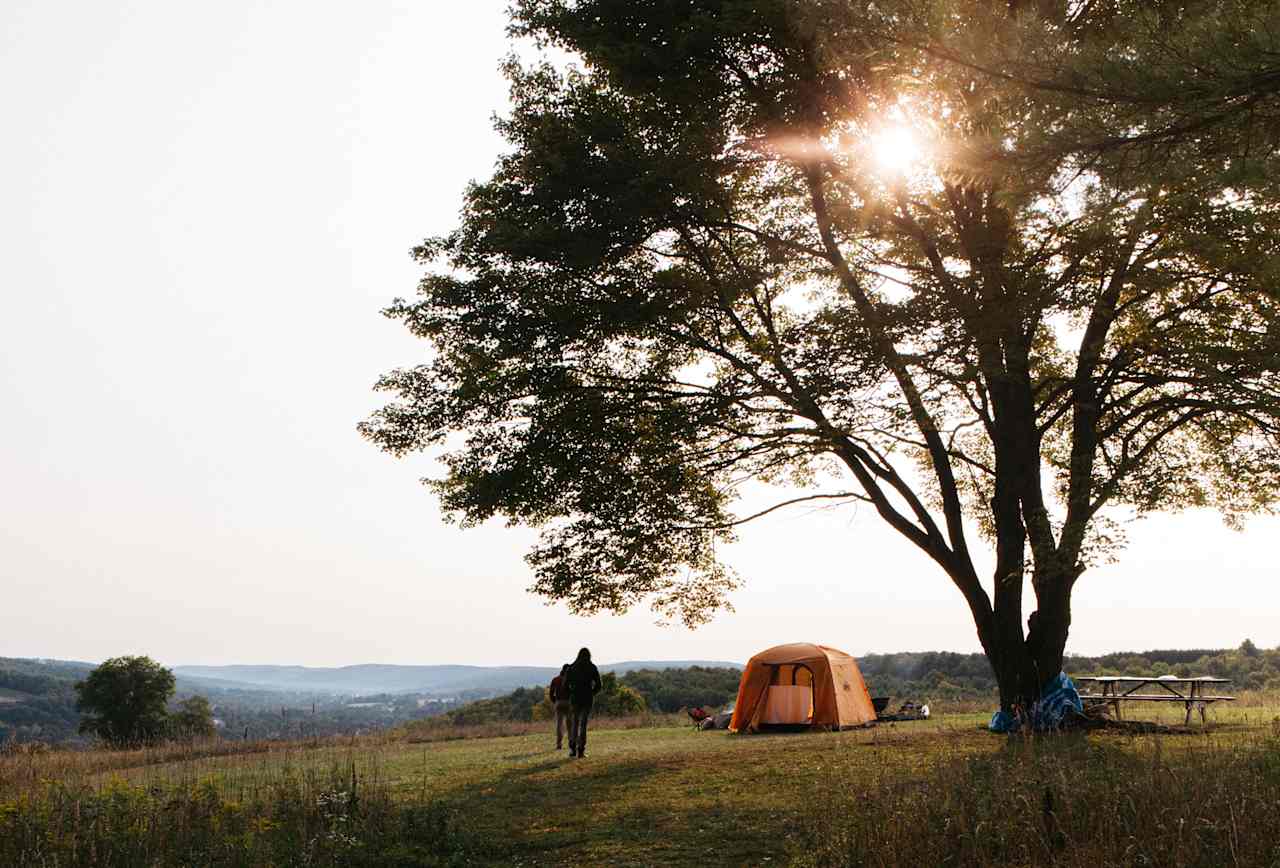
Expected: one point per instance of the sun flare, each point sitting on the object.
(895, 148)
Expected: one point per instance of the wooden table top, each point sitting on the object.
(1171, 679)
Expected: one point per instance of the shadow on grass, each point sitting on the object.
(537, 768)
(630, 812)
(529, 754)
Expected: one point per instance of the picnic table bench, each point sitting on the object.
(1117, 689)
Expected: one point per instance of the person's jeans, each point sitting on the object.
(564, 720)
(578, 728)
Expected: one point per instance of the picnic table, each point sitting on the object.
(1116, 689)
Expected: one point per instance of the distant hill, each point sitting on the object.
(371, 677)
(388, 678)
(38, 697)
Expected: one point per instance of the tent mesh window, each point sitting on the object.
(794, 674)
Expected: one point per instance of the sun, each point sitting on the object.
(895, 148)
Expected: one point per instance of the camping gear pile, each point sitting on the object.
(1059, 703)
(698, 716)
(718, 721)
(908, 711)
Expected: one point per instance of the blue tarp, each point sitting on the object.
(1058, 698)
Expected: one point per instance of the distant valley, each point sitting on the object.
(371, 678)
(38, 696)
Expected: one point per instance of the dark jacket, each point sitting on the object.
(559, 690)
(584, 682)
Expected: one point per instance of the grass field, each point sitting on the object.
(937, 792)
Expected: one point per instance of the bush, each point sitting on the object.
(616, 699)
(193, 719)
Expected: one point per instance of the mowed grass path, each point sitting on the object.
(664, 796)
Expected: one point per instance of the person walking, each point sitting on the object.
(584, 684)
(559, 691)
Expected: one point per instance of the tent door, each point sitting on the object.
(788, 700)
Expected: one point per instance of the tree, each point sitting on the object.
(701, 263)
(193, 719)
(616, 699)
(124, 700)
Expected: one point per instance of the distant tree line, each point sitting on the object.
(941, 674)
(695, 687)
(1248, 667)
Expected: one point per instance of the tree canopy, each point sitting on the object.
(124, 700)
(706, 259)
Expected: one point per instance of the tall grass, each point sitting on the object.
(226, 803)
(1064, 801)
(927, 793)
(295, 818)
(24, 767)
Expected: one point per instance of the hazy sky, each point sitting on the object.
(203, 208)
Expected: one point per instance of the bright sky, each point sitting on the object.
(204, 207)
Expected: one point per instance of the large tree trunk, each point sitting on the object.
(1025, 664)
(1049, 624)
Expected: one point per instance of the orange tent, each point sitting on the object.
(801, 685)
